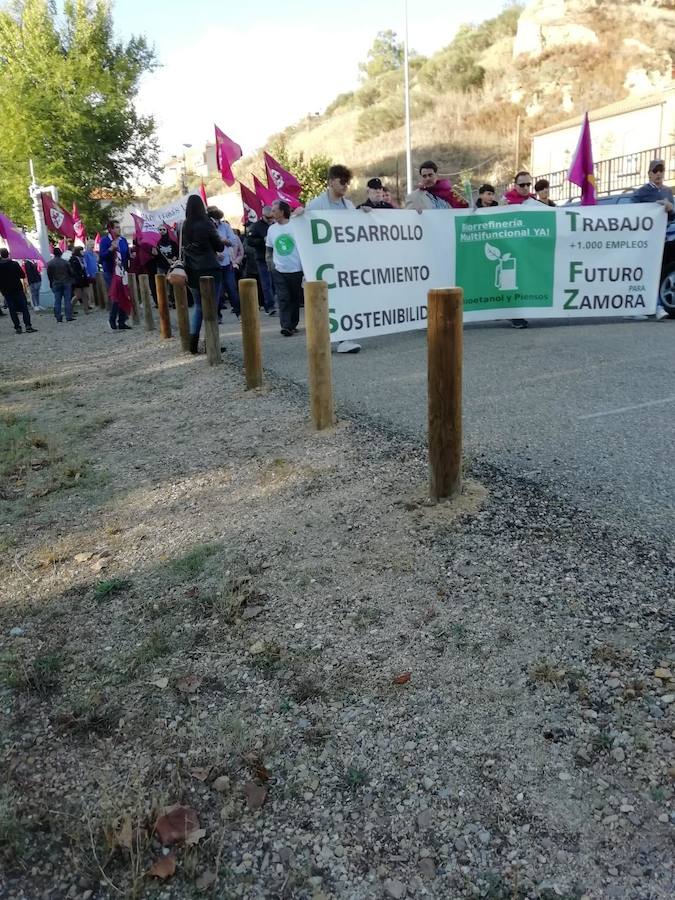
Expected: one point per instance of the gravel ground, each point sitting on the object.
(346, 692)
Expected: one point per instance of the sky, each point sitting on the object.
(256, 67)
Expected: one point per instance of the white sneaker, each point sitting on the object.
(348, 347)
(661, 313)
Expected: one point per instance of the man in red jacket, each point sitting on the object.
(519, 193)
(439, 187)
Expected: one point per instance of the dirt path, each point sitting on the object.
(204, 603)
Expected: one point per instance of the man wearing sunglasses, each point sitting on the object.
(655, 191)
(334, 197)
(519, 193)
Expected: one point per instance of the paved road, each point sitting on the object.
(587, 409)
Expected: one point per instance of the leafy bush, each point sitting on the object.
(340, 102)
(379, 119)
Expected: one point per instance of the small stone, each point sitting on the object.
(339, 851)
(663, 673)
(256, 648)
(663, 817)
(395, 888)
(221, 784)
(410, 745)
(460, 844)
(428, 783)
(668, 699)
(16, 631)
(618, 754)
(613, 683)
(428, 868)
(424, 819)
(484, 837)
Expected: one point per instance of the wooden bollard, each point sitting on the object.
(318, 354)
(444, 375)
(250, 333)
(133, 290)
(101, 291)
(180, 296)
(210, 316)
(146, 297)
(163, 307)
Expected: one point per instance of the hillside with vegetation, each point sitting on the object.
(542, 61)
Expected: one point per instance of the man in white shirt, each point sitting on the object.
(335, 198)
(283, 261)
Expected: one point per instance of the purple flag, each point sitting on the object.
(19, 247)
(581, 171)
(251, 203)
(227, 152)
(283, 181)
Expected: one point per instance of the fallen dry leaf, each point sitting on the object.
(176, 823)
(194, 837)
(100, 564)
(200, 774)
(124, 834)
(256, 794)
(189, 684)
(192, 592)
(164, 867)
(403, 678)
(255, 764)
(160, 682)
(83, 557)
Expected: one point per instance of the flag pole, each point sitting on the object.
(46, 296)
(406, 90)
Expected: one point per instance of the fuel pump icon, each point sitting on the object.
(505, 270)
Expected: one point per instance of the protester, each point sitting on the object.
(114, 258)
(287, 272)
(12, 289)
(334, 197)
(486, 197)
(34, 279)
(228, 281)
(80, 277)
(91, 267)
(542, 189)
(68, 252)
(201, 244)
(61, 282)
(256, 239)
(519, 193)
(655, 191)
(375, 199)
(165, 252)
(441, 188)
(388, 197)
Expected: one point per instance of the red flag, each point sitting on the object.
(78, 225)
(97, 242)
(266, 195)
(62, 245)
(581, 169)
(144, 233)
(252, 204)
(56, 217)
(202, 193)
(283, 181)
(19, 246)
(227, 152)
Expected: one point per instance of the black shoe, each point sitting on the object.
(519, 323)
(59, 321)
(18, 329)
(272, 312)
(194, 343)
(31, 330)
(124, 328)
(287, 332)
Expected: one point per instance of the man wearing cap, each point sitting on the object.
(655, 191)
(375, 196)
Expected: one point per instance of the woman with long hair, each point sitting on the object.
(200, 244)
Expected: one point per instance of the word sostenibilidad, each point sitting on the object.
(323, 232)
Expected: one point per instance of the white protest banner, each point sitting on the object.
(528, 261)
(172, 212)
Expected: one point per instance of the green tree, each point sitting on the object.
(67, 88)
(386, 55)
(311, 172)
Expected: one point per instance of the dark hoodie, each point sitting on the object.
(11, 277)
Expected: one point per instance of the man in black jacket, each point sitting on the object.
(11, 288)
(256, 240)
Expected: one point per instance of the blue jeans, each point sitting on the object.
(196, 314)
(266, 285)
(63, 292)
(229, 286)
(35, 292)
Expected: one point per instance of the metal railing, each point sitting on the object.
(612, 176)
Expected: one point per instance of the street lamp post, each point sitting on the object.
(46, 296)
(406, 89)
(184, 176)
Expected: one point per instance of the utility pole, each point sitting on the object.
(406, 90)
